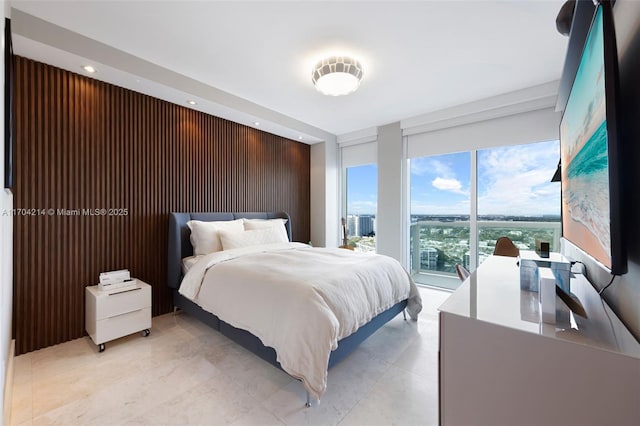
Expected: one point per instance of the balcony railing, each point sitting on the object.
(436, 246)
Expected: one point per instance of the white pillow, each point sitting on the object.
(231, 240)
(251, 224)
(204, 235)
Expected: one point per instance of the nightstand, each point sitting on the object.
(113, 314)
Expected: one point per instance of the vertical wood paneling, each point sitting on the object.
(85, 144)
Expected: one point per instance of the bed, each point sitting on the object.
(231, 322)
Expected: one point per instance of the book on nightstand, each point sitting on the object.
(116, 280)
(113, 277)
(118, 287)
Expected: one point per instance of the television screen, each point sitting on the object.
(591, 210)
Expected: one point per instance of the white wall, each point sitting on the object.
(6, 282)
(324, 195)
(6, 241)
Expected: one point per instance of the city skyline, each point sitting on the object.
(512, 181)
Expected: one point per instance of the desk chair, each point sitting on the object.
(462, 272)
(505, 247)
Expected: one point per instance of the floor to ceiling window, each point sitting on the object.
(362, 206)
(359, 195)
(461, 203)
(439, 212)
(516, 197)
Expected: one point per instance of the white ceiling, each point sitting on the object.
(418, 56)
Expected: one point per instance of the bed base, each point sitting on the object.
(254, 344)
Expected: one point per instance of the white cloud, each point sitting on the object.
(448, 184)
(515, 180)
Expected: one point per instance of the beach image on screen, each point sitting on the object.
(585, 165)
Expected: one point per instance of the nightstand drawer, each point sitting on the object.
(110, 305)
(121, 325)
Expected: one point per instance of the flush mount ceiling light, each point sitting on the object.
(337, 75)
(88, 68)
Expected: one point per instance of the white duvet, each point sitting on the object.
(298, 299)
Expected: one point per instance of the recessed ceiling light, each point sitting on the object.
(88, 68)
(256, 123)
(192, 102)
(300, 137)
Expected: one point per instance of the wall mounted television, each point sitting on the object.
(592, 210)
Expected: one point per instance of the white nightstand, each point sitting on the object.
(113, 314)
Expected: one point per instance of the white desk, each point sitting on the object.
(499, 365)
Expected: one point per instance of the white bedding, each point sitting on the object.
(298, 299)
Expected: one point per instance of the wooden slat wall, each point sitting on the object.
(85, 144)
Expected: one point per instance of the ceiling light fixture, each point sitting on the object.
(337, 75)
(89, 69)
(256, 123)
(192, 102)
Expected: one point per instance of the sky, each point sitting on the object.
(512, 180)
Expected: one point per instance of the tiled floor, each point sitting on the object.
(186, 373)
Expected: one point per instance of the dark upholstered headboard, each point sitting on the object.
(180, 243)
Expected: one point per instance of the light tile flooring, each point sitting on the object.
(185, 373)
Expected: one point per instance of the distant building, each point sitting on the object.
(366, 225)
(361, 225)
(429, 258)
(352, 225)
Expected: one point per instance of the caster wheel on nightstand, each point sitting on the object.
(101, 347)
(146, 333)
